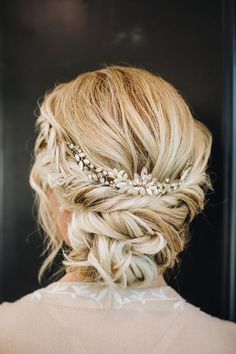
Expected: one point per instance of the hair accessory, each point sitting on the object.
(141, 184)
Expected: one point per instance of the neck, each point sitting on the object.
(76, 277)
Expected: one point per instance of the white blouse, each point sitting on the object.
(77, 317)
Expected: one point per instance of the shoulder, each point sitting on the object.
(17, 307)
(16, 319)
(208, 330)
(214, 323)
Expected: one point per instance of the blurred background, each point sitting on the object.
(189, 43)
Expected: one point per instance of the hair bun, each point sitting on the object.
(122, 119)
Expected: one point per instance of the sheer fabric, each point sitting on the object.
(77, 317)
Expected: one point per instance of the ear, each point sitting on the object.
(61, 215)
(63, 219)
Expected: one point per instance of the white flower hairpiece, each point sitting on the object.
(140, 185)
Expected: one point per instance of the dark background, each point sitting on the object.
(46, 42)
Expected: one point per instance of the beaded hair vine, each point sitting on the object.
(140, 185)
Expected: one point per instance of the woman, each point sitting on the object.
(119, 174)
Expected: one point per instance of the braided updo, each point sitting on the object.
(124, 118)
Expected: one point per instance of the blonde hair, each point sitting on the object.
(124, 118)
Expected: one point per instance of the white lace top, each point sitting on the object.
(91, 295)
(82, 318)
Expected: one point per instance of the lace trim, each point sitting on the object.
(112, 296)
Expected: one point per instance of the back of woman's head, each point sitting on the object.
(124, 118)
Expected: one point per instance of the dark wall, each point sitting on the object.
(46, 42)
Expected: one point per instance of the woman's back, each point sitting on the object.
(74, 317)
(120, 172)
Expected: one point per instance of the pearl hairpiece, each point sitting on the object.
(141, 184)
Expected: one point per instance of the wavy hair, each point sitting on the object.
(124, 118)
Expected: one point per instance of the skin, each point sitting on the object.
(63, 217)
